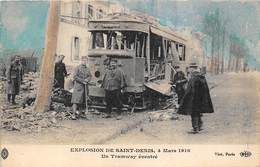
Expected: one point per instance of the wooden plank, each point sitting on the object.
(47, 67)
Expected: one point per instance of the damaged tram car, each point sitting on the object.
(146, 52)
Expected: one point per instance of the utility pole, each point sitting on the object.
(43, 98)
(1, 29)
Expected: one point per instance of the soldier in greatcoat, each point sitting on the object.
(113, 83)
(14, 76)
(81, 78)
(196, 99)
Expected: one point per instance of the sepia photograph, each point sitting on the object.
(121, 82)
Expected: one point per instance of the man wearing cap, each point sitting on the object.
(60, 72)
(14, 79)
(179, 80)
(113, 83)
(81, 78)
(196, 99)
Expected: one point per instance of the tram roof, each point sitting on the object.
(144, 24)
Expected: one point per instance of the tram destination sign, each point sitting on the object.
(122, 26)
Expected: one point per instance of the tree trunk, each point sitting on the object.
(218, 58)
(223, 51)
(212, 69)
(237, 64)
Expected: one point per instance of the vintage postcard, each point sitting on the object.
(130, 83)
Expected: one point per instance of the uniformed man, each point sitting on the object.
(196, 99)
(60, 72)
(14, 79)
(113, 83)
(179, 80)
(81, 78)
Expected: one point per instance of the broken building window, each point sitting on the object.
(99, 14)
(89, 10)
(75, 48)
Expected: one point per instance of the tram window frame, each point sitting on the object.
(120, 40)
(181, 52)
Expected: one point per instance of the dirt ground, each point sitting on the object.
(235, 98)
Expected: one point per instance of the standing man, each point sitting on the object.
(113, 83)
(196, 99)
(81, 78)
(179, 80)
(14, 78)
(60, 72)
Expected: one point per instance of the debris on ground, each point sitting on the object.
(2, 85)
(29, 100)
(28, 89)
(30, 82)
(22, 118)
(63, 96)
(163, 115)
(171, 103)
(26, 120)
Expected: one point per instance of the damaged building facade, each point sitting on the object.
(73, 35)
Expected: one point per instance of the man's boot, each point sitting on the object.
(74, 109)
(195, 123)
(9, 98)
(13, 100)
(108, 111)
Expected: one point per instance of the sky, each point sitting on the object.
(23, 23)
(242, 17)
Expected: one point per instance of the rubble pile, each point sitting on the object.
(22, 117)
(26, 120)
(170, 103)
(2, 86)
(61, 96)
(28, 89)
(30, 82)
(162, 115)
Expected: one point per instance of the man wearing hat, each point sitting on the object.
(81, 78)
(60, 72)
(179, 80)
(113, 83)
(196, 99)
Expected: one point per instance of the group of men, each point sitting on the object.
(113, 83)
(193, 93)
(194, 99)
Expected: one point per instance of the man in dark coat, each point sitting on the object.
(60, 72)
(196, 99)
(81, 77)
(179, 80)
(113, 83)
(14, 79)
